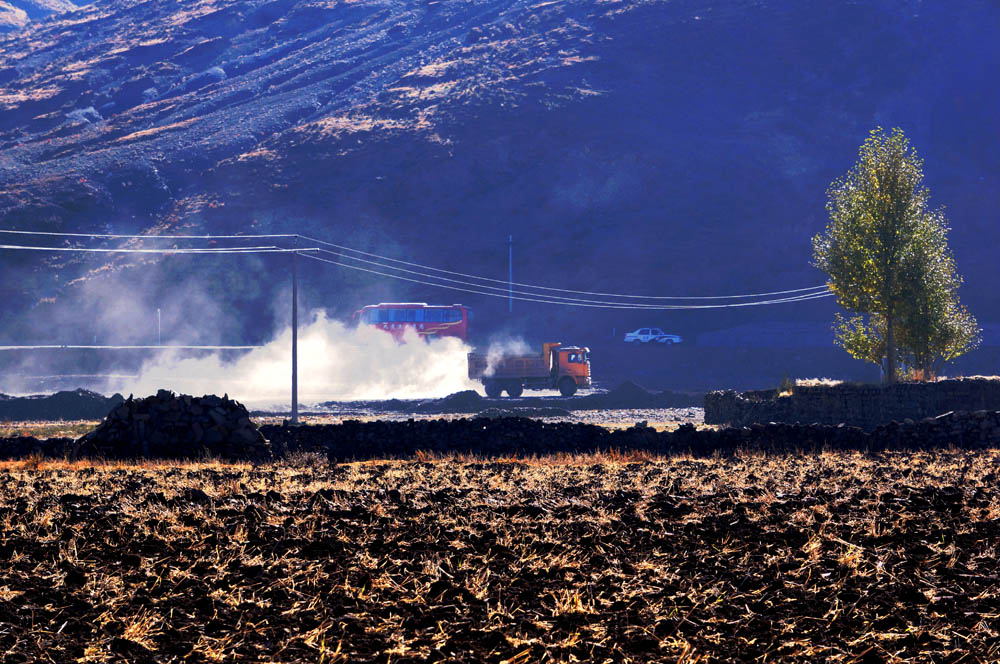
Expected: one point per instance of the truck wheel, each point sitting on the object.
(514, 390)
(567, 386)
(493, 389)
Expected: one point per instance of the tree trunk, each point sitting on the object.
(890, 350)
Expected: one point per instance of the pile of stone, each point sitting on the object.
(175, 427)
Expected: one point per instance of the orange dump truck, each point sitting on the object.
(562, 367)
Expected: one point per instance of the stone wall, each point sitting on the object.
(866, 406)
(507, 436)
(355, 440)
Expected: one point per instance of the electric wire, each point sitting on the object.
(504, 291)
(820, 290)
(541, 300)
(200, 250)
(149, 237)
(562, 290)
(91, 347)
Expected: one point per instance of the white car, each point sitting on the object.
(645, 335)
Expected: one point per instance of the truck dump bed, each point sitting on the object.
(515, 366)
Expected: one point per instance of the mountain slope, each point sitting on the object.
(659, 147)
(15, 14)
(11, 17)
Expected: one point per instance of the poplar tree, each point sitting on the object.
(887, 261)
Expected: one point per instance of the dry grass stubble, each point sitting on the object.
(832, 557)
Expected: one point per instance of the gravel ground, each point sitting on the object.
(662, 419)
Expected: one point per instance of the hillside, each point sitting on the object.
(16, 14)
(629, 146)
(11, 17)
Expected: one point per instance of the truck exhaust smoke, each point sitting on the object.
(501, 348)
(336, 363)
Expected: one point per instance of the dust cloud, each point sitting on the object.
(336, 363)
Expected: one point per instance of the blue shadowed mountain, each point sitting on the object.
(678, 147)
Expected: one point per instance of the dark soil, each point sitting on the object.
(821, 558)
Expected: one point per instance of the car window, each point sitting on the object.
(644, 330)
(656, 330)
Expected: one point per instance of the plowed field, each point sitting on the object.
(841, 557)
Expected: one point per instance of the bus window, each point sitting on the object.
(411, 315)
(454, 315)
(418, 315)
(397, 315)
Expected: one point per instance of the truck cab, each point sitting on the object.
(570, 368)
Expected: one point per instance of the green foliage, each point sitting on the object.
(863, 337)
(887, 259)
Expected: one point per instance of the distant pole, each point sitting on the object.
(510, 273)
(295, 342)
(159, 337)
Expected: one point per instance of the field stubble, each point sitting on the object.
(834, 557)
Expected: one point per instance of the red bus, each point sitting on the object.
(429, 320)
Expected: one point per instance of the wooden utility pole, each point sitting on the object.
(295, 341)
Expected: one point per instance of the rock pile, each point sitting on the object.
(175, 426)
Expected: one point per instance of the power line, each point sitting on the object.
(92, 347)
(205, 250)
(563, 290)
(811, 290)
(508, 290)
(541, 300)
(148, 237)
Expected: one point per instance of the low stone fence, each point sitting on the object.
(354, 440)
(866, 406)
(510, 436)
